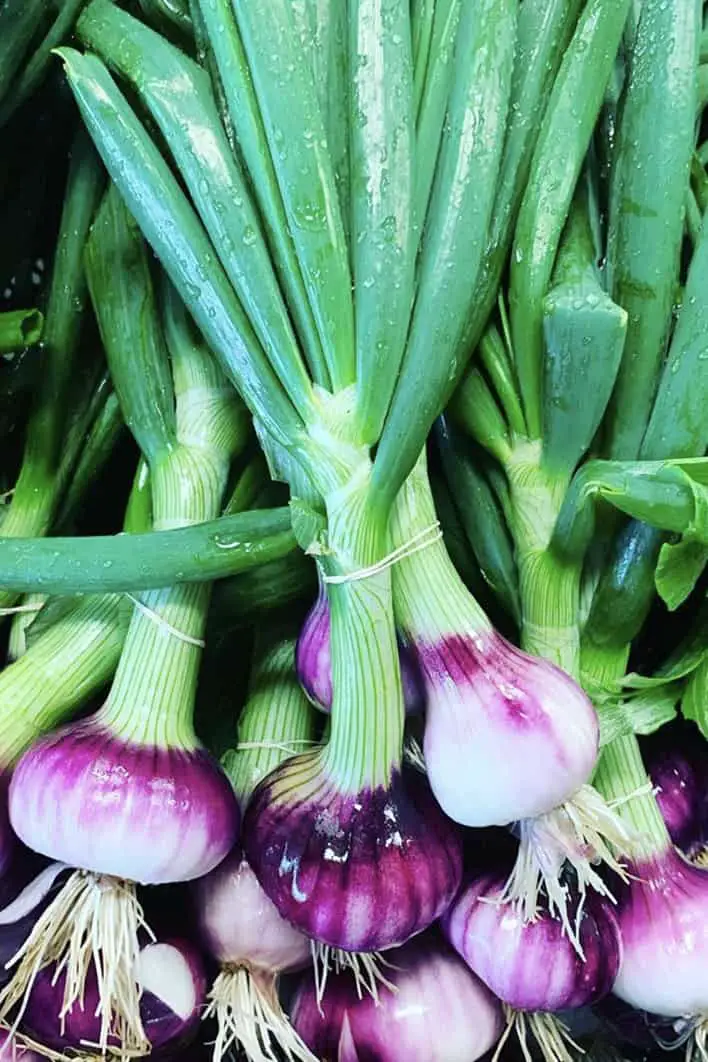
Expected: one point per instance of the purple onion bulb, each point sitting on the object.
(314, 663)
(508, 736)
(361, 872)
(440, 1012)
(173, 983)
(240, 926)
(533, 966)
(90, 799)
(679, 772)
(663, 919)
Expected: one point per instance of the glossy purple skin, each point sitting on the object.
(533, 967)
(165, 1030)
(314, 663)
(362, 873)
(663, 920)
(680, 777)
(493, 715)
(440, 1013)
(153, 815)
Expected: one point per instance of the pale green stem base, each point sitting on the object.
(620, 775)
(549, 588)
(367, 720)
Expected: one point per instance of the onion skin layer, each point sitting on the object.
(239, 925)
(166, 1031)
(313, 661)
(494, 717)
(533, 966)
(663, 919)
(440, 1012)
(360, 872)
(679, 773)
(153, 815)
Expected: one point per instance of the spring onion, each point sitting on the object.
(238, 924)
(86, 794)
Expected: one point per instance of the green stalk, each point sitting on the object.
(19, 328)
(98, 445)
(544, 31)
(484, 524)
(655, 143)
(153, 693)
(277, 720)
(170, 13)
(456, 234)
(677, 428)
(60, 671)
(433, 81)
(560, 150)
(429, 596)
(620, 775)
(65, 665)
(36, 494)
(190, 123)
(171, 226)
(90, 437)
(235, 76)
(285, 88)
(584, 332)
(35, 69)
(383, 246)
(20, 21)
(549, 587)
(422, 17)
(365, 746)
(331, 59)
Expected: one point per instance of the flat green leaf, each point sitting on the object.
(584, 332)
(669, 495)
(694, 704)
(680, 566)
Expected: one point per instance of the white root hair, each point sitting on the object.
(551, 1036)
(94, 919)
(248, 1013)
(366, 968)
(583, 832)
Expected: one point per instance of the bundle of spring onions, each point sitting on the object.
(354, 530)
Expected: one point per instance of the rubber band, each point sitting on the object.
(281, 746)
(156, 618)
(425, 538)
(34, 606)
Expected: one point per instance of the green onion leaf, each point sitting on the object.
(562, 144)
(383, 249)
(120, 282)
(175, 233)
(456, 235)
(178, 95)
(651, 169)
(294, 125)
